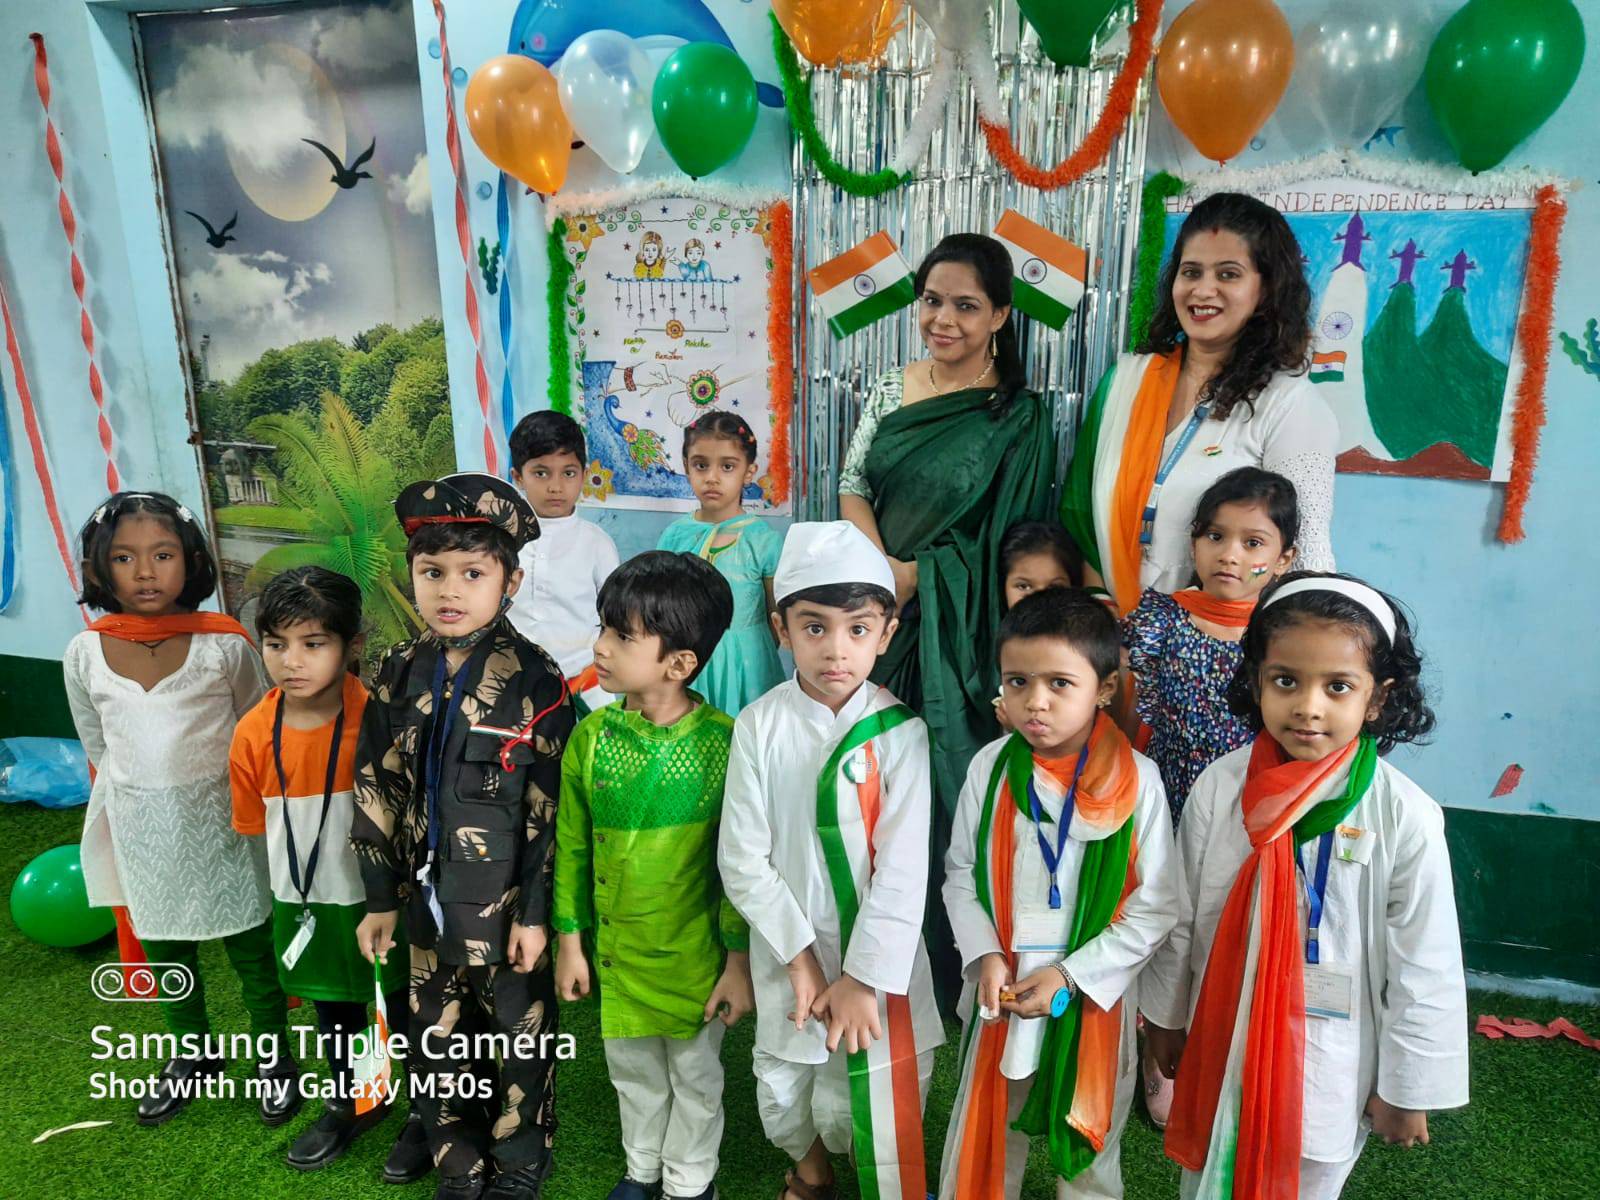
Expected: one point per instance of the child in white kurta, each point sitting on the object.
(1384, 997)
(824, 851)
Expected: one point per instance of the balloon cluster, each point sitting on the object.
(1494, 73)
(605, 92)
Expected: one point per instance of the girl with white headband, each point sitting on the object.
(1316, 965)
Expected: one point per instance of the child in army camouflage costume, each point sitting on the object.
(457, 775)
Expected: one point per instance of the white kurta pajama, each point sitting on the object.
(1104, 968)
(158, 835)
(774, 871)
(562, 570)
(1389, 916)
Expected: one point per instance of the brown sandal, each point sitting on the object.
(793, 1184)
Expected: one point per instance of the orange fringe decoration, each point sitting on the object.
(1533, 334)
(1097, 144)
(780, 329)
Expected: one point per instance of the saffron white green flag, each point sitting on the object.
(1049, 271)
(864, 284)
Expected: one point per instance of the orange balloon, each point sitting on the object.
(514, 112)
(870, 46)
(1223, 67)
(824, 30)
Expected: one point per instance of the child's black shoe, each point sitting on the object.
(410, 1159)
(462, 1187)
(179, 1082)
(280, 1086)
(330, 1136)
(632, 1189)
(522, 1183)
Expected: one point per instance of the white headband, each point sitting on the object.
(1369, 598)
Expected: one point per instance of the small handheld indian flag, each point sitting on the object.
(371, 1066)
(1049, 270)
(864, 284)
(1328, 368)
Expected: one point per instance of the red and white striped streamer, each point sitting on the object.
(452, 138)
(41, 463)
(69, 226)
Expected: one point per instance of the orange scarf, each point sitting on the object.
(1107, 792)
(1136, 474)
(133, 627)
(1278, 793)
(1233, 614)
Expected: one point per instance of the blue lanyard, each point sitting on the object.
(1052, 859)
(327, 799)
(1316, 891)
(1148, 522)
(438, 735)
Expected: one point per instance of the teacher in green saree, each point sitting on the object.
(951, 449)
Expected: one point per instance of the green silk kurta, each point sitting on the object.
(636, 865)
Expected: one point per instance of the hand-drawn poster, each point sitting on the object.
(667, 318)
(1415, 300)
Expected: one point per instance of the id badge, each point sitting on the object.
(302, 939)
(1330, 991)
(1041, 929)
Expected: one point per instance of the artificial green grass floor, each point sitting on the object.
(1532, 1131)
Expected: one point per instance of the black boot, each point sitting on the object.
(522, 1183)
(462, 1187)
(179, 1082)
(410, 1160)
(330, 1136)
(280, 1086)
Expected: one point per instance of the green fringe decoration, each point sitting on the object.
(797, 96)
(556, 298)
(1147, 270)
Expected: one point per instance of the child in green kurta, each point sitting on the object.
(636, 872)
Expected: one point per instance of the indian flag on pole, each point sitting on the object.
(1049, 270)
(1328, 368)
(864, 284)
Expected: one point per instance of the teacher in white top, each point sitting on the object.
(1219, 382)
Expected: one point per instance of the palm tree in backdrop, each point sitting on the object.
(341, 492)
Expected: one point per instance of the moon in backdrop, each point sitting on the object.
(300, 186)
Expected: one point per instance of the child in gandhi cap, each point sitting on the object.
(824, 851)
(457, 773)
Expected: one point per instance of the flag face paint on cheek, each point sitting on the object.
(1257, 571)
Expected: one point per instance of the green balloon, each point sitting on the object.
(705, 106)
(50, 904)
(1066, 28)
(1498, 69)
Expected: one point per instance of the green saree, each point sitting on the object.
(949, 479)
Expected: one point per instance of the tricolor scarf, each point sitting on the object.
(1070, 1102)
(1236, 1112)
(135, 627)
(885, 1096)
(1114, 465)
(1232, 614)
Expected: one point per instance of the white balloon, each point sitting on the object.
(1353, 68)
(956, 24)
(605, 81)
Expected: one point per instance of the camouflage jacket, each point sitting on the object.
(497, 794)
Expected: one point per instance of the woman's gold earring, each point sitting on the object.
(993, 347)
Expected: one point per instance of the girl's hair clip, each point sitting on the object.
(185, 514)
(99, 515)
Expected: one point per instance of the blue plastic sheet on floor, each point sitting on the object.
(51, 772)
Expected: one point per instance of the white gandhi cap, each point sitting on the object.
(820, 553)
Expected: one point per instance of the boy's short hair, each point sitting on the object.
(472, 537)
(1071, 614)
(546, 432)
(680, 598)
(851, 597)
(310, 593)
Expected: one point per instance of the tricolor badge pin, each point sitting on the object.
(1049, 270)
(864, 284)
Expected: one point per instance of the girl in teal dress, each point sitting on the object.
(719, 456)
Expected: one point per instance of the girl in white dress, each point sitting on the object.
(156, 689)
(1316, 963)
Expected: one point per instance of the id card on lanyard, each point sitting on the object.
(1147, 521)
(1043, 928)
(444, 715)
(307, 919)
(1329, 989)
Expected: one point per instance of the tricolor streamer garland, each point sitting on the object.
(69, 226)
(780, 344)
(980, 66)
(41, 464)
(452, 138)
(1538, 301)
